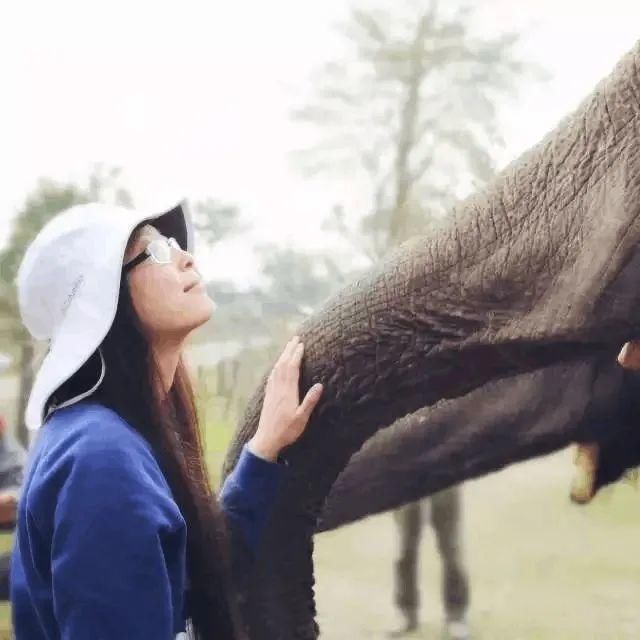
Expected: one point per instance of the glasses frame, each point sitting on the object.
(148, 252)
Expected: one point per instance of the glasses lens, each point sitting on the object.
(160, 250)
(175, 244)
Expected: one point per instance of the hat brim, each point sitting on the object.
(176, 223)
(90, 317)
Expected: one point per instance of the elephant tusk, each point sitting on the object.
(584, 479)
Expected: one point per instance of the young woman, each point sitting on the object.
(119, 534)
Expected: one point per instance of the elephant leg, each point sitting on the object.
(446, 519)
(407, 593)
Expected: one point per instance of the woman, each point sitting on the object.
(119, 534)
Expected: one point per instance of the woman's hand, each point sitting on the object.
(283, 417)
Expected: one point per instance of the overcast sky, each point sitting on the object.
(193, 98)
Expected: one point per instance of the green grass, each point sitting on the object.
(217, 436)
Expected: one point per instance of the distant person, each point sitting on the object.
(444, 511)
(119, 534)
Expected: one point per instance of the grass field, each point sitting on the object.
(541, 569)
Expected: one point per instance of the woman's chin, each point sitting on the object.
(207, 311)
(195, 325)
(198, 314)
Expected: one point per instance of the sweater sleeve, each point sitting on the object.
(249, 493)
(117, 545)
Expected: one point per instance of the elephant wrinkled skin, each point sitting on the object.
(538, 272)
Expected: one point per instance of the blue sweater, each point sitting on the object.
(100, 542)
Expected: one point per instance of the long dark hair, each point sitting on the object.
(171, 427)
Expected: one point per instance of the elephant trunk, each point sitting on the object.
(525, 416)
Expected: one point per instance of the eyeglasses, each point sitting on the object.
(159, 250)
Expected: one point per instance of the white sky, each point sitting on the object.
(193, 98)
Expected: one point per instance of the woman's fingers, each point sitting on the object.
(287, 351)
(289, 347)
(281, 363)
(283, 418)
(309, 404)
(296, 359)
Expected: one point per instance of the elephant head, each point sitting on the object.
(534, 281)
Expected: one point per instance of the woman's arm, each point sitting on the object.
(248, 495)
(251, 489)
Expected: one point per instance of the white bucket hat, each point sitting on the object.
(68, 285)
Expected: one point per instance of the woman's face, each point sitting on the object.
(163, 296)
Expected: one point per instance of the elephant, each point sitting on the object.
(518, 308)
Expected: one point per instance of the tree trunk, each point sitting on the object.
(407, 137)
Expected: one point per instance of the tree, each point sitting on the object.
(409, 107)
(292, 285)
(216, 221)
(46, 200)
(299, 281)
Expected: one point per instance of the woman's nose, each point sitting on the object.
(185, 259)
